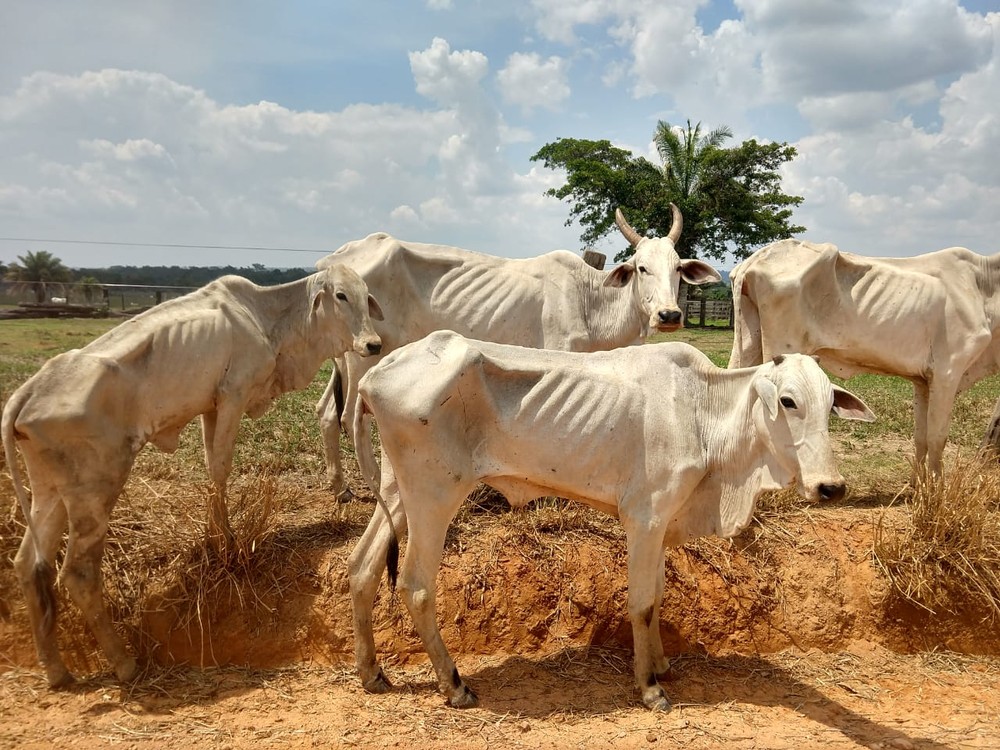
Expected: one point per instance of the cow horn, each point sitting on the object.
(676, 224)
(626, 229)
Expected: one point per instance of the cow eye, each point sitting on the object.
(342, 297)
(788, 403)
(642, 269)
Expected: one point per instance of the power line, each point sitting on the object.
(164, 244)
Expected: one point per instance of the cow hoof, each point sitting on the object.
(63, 680)
(127, 671)
(345, 495)
(378, 684)
(658, 702)
(463, 698)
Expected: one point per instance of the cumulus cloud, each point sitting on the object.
(530, 82)
(448, 77)
(831, 47)
(142, 156)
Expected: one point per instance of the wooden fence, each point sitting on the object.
(708, 313)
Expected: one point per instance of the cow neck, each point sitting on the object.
(738, 456)
(611, 315)
(285, 323)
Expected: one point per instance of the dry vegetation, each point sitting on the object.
(946, 553)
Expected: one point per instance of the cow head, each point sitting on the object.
(341, 305)
(655, 271)
(791, 413)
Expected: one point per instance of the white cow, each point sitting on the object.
(656, 435)
(226, 349)
(932, 319)
(554, 301)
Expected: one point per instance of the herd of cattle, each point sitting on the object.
(519, 374)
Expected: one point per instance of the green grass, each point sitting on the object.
(25, 345)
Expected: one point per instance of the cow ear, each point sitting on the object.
(768, 393)
(698, 272)
(620, 276)
(317, 300)
(374, 310)
(848, 406)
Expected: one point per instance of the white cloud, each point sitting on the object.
(447, 77)
(530, 82)
(831, 47)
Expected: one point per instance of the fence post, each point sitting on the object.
(594, 258)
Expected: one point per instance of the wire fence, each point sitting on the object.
(120, 297)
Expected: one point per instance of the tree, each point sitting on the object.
(730, 198)
(90, 287)
(38, 271)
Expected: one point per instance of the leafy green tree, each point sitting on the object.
(730, 198)
(39, 272)
(90, 287)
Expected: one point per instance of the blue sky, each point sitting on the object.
(304, 125)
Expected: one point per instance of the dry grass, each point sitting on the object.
(157, 564)
(947, 557)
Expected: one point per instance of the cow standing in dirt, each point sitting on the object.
(655, 435)
(222, 351)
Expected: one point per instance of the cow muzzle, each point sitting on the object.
(368, 347)
(832, 492)
(827, 492)
(667, 321)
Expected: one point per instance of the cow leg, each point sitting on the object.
(921, 397)
(35, 566)
(219, 435)
(940, 401)
(645, 589)
(661, 665)
(429, 513)
(81, 575)
(329, 425)
(364, 569)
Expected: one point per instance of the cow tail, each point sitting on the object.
(338, 392)
(10, 414)
(43, 575)
(365, 451)
(747, 343)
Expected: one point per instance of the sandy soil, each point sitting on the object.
(783, 638)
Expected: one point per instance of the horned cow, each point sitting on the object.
(226, 349)
(553, 301)
(656, 435)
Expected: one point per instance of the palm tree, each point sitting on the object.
(38, 271)
(90, 286)
(683, 154)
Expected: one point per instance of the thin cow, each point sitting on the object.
(553, 301)
(932, 319)
(656, 435)
(226, 349)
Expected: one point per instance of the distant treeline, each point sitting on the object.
(188, 276)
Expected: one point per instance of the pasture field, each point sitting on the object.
(870, 623)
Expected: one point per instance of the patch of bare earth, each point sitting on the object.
(783, 638)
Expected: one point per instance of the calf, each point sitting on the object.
(656, 435)
(224, 350)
